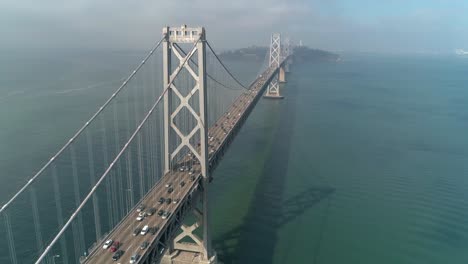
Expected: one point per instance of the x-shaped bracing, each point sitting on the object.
(184, 102)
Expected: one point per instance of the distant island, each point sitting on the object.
(301, 54)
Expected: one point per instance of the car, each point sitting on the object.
(151, 211)
(161, 200)
(140, 218)
(190, 172)
(141, 207)
(136, 231)
(176, 201)
(170, 190)
(182, 183)
(168, 185)
(117, 255)
(154, 229)
(168, 200)
(144, 230)
(166, 215)
(192, 178)
(144, 245)
(160, 212)
(107, 244)
(142, 213)
(115, 246)
(134, 258)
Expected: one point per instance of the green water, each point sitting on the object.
(364, 161)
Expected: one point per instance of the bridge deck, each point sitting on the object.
(123, 232)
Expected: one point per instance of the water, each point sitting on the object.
(364, 161)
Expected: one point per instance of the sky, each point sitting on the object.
(391, 26)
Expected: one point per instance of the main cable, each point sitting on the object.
(116, 159)
(124, 84)
(225, 68)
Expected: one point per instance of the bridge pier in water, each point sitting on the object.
(179, 251)
(282, 74)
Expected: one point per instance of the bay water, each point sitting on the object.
(364, 161)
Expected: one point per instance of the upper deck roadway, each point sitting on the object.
(219, 136)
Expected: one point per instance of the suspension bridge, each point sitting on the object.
(138, 171)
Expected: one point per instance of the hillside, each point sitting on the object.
(301, 54)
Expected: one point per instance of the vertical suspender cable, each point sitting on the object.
(97, 217)
(117, 172)
(129, 158)
(139, 157)
(58, 204)
(11, 240)
(145, 143)
(79, 222)
(36, 220)
(108, 182)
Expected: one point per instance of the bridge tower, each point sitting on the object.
(273, 90)
(195, 101)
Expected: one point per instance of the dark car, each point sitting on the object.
(144, 245)
(117, 255)
(161, 200)
(136, 231)
(151, 211)
(170, 190)
(182, 183)
(141, 207)
(168, 200)
(160, 212)
(153, 230)
(192, 178)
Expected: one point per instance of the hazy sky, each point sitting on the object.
(340, 25)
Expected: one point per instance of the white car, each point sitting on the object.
(107, 244)
(144, 230)
(140, 218)
(165, 215)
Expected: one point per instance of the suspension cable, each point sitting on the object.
(124, 84)
(116, 159)
(213, 78)
(225, 68)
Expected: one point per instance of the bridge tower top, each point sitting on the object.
(184, 34)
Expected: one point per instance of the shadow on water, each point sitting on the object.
(254, 241)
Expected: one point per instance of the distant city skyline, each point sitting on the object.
(417, 26)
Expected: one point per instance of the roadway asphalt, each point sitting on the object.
(124, 231)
